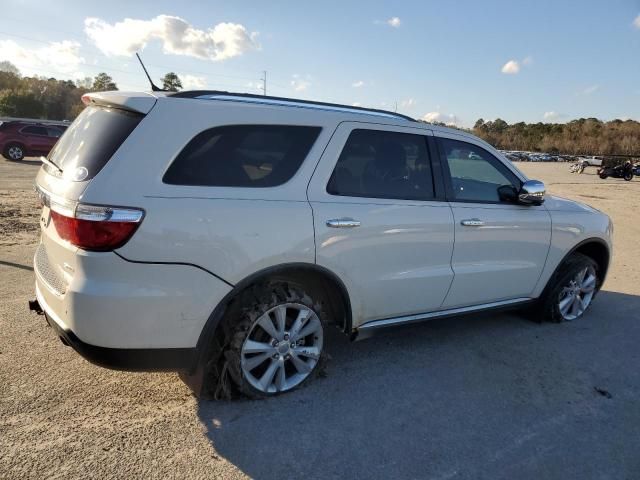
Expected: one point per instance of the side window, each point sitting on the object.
(476, 175)
(380, 164)
(54, 132)
(242, 156)
(35, 130)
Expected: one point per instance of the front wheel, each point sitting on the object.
(571, 290)
(277, 342)
(628, 176)
(602, 175)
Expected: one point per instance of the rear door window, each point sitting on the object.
(54, 132)
(242, 156)
(381, 164)
(91, 140)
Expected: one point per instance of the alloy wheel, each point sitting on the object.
(282, 348)
(15, 153)
(575, 297)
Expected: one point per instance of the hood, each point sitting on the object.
(554, 203)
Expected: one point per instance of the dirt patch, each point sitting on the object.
(19, 215)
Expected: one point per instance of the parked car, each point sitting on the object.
(221, 234)
(19, 139)
(593, 161)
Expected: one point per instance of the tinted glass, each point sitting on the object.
(381, 164)
(35, 130)
(93, 138)
(54, 132)
(476, 175)
(242, 156)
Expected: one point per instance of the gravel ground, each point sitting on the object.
(492, 396)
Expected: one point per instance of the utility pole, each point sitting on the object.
(264, 82)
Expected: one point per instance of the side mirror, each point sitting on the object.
(531, 193)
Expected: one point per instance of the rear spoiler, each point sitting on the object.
(140, 102)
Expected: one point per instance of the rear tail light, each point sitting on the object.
(98, 228)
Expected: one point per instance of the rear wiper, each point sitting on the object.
(48, 162)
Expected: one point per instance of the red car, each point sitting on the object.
(19, 139)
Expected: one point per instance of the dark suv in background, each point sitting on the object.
(19, 139)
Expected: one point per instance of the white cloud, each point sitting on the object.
(408, 103)
(636, 22)
(439, 117)
(555, 117)
(394, 22)
(192, 82)
(54, 58)
(527, 61)
(356, 104)
(358, 84)
(590, 89)
(178, 37)
(511, 67)
(254, 86)
(300, 84)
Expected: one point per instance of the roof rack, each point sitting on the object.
(284, 101)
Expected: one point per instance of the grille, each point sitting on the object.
(47, 272)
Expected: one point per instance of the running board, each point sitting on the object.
(421, 317)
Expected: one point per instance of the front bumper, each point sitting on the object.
(130, 359)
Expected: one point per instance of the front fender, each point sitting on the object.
(570, 230)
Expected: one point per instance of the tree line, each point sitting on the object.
(52, 99)
(584, 136)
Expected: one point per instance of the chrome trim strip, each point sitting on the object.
(55, 202)
(301, 104)
(387, 322)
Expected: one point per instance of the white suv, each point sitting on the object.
(220, 234)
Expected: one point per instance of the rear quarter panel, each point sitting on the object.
(232, 232)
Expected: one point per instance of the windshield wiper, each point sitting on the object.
(48, 162)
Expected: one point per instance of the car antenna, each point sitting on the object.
(154, 87)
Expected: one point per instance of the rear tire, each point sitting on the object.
(570, 290)
(13, 151)
(628, 177)
(603, 175)
(271, 343)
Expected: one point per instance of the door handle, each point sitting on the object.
(472, 222)
(343, 223)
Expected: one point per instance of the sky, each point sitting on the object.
(449, 61)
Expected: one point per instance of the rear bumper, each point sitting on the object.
(111, 303)
(129, 359)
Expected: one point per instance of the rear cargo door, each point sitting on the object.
(83, 150)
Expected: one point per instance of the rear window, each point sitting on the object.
(88, 144)
(242, 156)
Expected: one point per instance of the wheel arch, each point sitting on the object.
(594, 248)
(598, 250)
(319, 279)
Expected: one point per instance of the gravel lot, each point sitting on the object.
(492, 396)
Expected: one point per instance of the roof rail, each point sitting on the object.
(283, 101)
